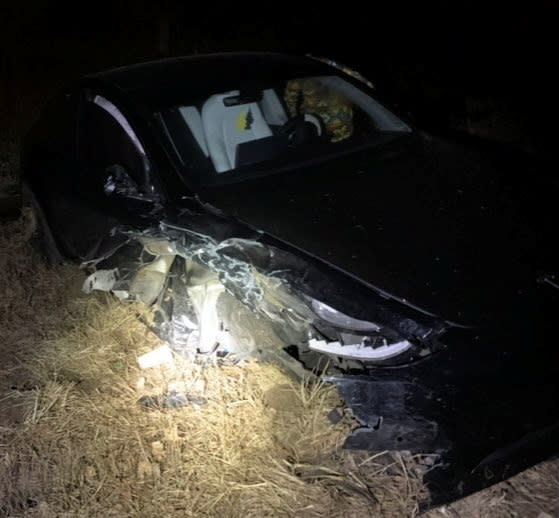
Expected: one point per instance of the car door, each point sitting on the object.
(111, 185)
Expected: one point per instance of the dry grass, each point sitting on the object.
(75, 442)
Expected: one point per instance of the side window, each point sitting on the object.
(107, 139)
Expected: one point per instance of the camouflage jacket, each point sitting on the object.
(310, 96)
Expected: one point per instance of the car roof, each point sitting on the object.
(164, 81)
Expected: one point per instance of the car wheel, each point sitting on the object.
(41, 235)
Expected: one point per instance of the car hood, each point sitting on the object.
(430, 222)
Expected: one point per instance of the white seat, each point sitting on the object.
(226, 127)
(272, 108)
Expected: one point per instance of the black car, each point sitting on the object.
(272, 205)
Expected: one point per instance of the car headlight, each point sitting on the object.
(355, 339)
(325, 329)
(339, 319)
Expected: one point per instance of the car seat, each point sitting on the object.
(226, 125)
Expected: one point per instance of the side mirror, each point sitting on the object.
(119, 183)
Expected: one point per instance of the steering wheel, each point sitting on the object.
(301, 129)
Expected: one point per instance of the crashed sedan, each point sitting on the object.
(274, 206)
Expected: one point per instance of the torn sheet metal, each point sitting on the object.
(390, 412)
(150, 279)
(204, 298)
(102, 280)
(182, 274)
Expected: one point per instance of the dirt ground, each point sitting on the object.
(75, 441)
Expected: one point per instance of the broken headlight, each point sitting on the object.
(339, 319)
(343, 336)
(315, 327)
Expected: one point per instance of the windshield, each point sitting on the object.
(258, 127)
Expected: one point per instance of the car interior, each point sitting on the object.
(229, 130)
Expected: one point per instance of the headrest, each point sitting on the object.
(226, 127)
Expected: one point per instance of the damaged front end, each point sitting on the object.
(241, 297)
(248, 297)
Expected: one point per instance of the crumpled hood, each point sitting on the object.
(424, 220)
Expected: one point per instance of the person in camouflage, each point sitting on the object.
(310, 96)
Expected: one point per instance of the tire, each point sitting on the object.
(41, 238)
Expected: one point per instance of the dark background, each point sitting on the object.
(485, 68)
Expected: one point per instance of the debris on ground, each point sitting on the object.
(161, 355)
